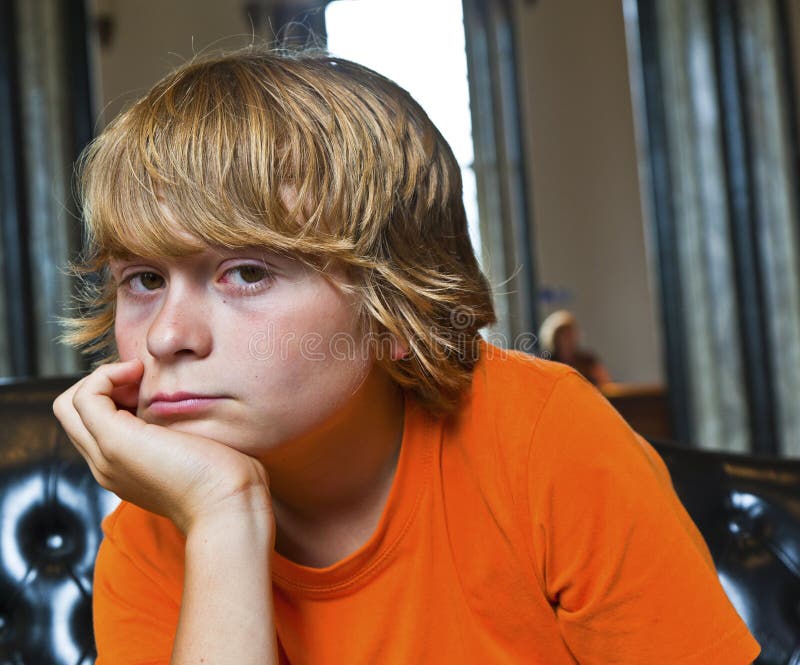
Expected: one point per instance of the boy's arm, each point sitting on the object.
(629, 575)
(227, 610)
(217, 497)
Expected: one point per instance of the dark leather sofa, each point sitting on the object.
(50, 511)
(748, 510)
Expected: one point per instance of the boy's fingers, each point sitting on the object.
(74, 427)
(83, 440)
(126, 397)
(93, 398)
(89, 415)
(113, 376)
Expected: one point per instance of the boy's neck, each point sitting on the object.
(329, 492)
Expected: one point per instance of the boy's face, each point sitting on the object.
(245, 347)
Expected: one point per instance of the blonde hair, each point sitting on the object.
(304, 154)
(550, 327)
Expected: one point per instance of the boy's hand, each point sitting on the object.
(181, 476)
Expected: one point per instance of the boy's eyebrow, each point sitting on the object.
(120, 258)
(223, 252)
(264, 252)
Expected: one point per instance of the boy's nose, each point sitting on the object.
(181, 327)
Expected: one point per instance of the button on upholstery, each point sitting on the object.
(745, 527)
(746, 518)
(55, 542)
(52, 534)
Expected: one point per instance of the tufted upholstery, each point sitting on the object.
(748, 511)
(50, 513)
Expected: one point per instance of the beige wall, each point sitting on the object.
(587, 214)
(152, 37)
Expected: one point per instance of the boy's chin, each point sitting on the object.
(195, 425)
(206, 428)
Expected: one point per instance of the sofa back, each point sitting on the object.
(50, 514)
(748, 510)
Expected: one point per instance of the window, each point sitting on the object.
(427, 58)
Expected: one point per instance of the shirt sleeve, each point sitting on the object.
(628, 574)
(137, 588)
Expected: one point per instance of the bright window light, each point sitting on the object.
(419, 44)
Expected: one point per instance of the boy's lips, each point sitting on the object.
(181, 403)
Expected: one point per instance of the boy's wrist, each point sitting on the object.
(248, 514)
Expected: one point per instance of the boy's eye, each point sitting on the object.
(251, 274)
(146, 281)
(247, 274)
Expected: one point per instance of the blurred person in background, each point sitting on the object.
(560, 337)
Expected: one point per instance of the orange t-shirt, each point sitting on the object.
(533, 526)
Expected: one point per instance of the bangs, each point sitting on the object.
(218, 156)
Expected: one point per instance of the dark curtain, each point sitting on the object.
(718, 106)
(45, 121)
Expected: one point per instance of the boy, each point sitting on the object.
(319, 459)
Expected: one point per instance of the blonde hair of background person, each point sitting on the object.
(319, 459)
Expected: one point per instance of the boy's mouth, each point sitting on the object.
(181, 403)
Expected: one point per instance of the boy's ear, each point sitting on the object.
(399, 349)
